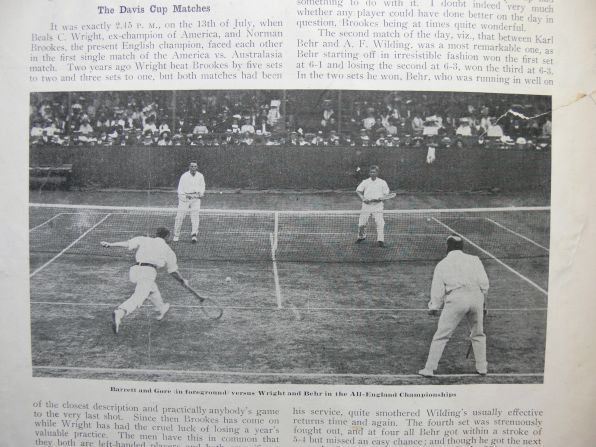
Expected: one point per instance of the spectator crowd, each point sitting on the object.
(291, 118)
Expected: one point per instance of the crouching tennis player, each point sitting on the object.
(151, 253)
(459, 286)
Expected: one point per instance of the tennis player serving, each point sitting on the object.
(191, 188)
(373, 192)
(151, 253)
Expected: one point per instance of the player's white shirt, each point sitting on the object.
(373, 189)
(457, 270)
(190, 184)
(154, 250)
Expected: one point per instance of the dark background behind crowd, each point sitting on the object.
(291, 118)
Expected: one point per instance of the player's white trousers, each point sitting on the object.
(376, 211)
(184, 206)
(459, 304)
(144, 278)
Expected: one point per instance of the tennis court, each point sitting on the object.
(305, 304)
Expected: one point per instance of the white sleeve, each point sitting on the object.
(171, 261)
(437, 290)
(134, 243)
(361, 186)
(201, 184)
(181, 184)
(385, 188)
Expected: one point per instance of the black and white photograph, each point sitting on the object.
(289, 236)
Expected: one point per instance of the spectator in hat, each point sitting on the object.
(464, 129)
(85, 128)
(165, 139)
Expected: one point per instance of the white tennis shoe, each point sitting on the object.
(426, 372)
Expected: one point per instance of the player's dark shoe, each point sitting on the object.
(381, 244)
(193, 238)
(360, 239)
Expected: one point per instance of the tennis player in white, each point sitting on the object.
(459, 286)
(191, 188)
(371, 192)
(151, 253)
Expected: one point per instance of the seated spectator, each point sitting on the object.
(293, 141)
(391, 125)
(247, 127)
(370, 119)
(484, 121)
(150, 125)
(533, 129)
(302, 141)
(333, 138)
(228, 139)
(200, 128)
(246, 139)
(382, 140)
(494, 129)
(165, 139)
(464, 129)
(147, 137)
(85, 128)
(328, 113)
(432, 124)
(270, 140)
(318, 139)
(163, 127)
(377, 126)
(363, 138)
(36, 132)
(273, 116)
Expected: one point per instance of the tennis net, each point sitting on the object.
(300, 236)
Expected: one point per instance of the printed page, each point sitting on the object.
(299, 223)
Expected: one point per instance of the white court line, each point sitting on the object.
(274, 374)
(275, 273)
(335, 309)
(512, 270)
(73, 243)
(47, 221)
(517, 234)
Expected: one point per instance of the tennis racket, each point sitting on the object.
(190, 196)
(389, 196)
(208, 306)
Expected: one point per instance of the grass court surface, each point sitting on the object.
(305, 304)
